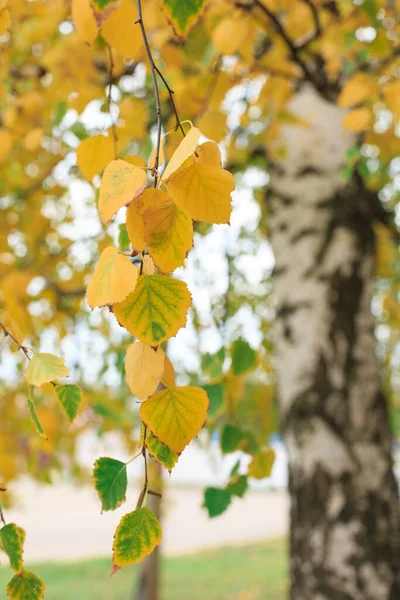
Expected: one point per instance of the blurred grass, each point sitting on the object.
(256, 572)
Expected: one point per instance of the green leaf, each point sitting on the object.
(215, 393)
(212, 364)
(231, 438)
(138, 533)
(70, 397)
(183, 15)
(123, 237)
(25, 586)
(111, 481)
(32, 410)
(79, 130)
(238, 486)
(45, 367)
(161, 452)
(244, 357)
(12, 541)
(216, 501)
(235, 438)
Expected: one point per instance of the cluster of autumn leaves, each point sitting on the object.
(152, 306)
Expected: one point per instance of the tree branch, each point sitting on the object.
(171, 97)
(317, 23)
(156, 90)
(10, 335)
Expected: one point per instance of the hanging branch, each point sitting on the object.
(156, 90)
(10, 335)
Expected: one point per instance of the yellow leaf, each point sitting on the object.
(5, 21)
(175, 416)
(93, 155)
(156, 310)
(136, 161)
(261, 465)
(84, 20)
(113, 279)
(391, 93)
(12, 327)
(232, 33)
(357, 89)
(45, 367)
(185, 149)
(144, 368)
(135, 225)
(357, 120)
(168, 378)
(149, 268)
(213, 125)
(121, 183)
(33, 139)
(205, 191)
(208, 154)
(5, 143)
(168, 231)
(121, 32)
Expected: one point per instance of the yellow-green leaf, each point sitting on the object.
(26, 586)
(204, 190)
(168, 232)
(111, 481)
(144, 367)
(12, 542)
(156, 310)
(183, 15)
(70, 397)
(121, 183)
(32, 411)
(45, 367)
(138, 533)
(113, 279)
(261, 465)
(175, 416)
(93, 155)
(161, 452)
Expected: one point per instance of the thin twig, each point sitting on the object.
(144, 491)
(171, 97)
(156, 90)
(109, 99)
(10, 335)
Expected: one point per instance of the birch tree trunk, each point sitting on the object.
(345, 528)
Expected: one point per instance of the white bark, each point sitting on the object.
(345, 521)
